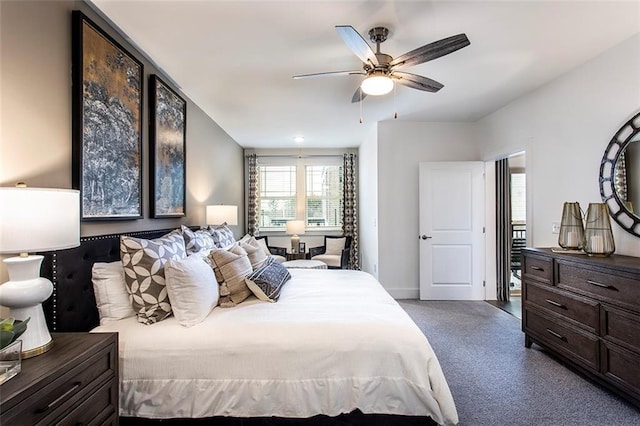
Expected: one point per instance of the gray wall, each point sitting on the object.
(36, 120)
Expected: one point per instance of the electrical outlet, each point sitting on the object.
(555, 228)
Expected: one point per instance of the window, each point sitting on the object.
(277, 195)
(324, 196)
(304, 188)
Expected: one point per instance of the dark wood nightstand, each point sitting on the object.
(76, 382)
(296, 256)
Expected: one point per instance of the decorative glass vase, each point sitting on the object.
(597, 231)
(10, 360)
(571, 229)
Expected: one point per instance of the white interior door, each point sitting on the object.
(451, 230)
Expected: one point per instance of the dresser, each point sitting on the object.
(74, 383)
(586, 310)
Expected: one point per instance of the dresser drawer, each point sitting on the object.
(621, 327)
(540, 268)
(622, 367)
(584, 312)
(96, 409)
(61, 394)
(616, 289)
(581, 347)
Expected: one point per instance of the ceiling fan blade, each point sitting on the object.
(357, 44)
(358, 96)
(329, 74)
(431, 51)
(417, 81)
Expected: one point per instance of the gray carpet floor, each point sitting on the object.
(495, 380)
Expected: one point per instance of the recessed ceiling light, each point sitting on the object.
(299, 139)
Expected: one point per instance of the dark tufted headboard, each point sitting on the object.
(72, 307)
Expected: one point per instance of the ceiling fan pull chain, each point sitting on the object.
(361, 120)
(395, 113)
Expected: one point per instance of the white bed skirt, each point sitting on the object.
(334, 342)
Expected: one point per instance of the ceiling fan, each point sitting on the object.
(382, 69)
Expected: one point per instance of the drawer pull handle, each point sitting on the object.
(556, 335)
(556, 304)
(610, 287)
(537, 268)
(75, 386)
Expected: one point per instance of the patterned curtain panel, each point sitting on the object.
(503, 229)
(350, 207)
(252, 206)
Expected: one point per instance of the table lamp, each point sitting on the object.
(295, 228)
(34, 220)
(219, 214)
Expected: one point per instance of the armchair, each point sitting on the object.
(335, 252)
(280, 253)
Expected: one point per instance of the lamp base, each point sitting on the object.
(295, 243)
(23, 294)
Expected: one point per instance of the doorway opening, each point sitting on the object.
(517, 185)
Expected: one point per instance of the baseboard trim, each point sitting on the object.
(404, 293)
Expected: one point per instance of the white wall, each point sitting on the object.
(401, 147)
(368, 198)
(565, 127)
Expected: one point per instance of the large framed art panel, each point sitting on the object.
(107, 124)
(167, 136)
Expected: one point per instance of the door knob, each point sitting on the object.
(424, 237)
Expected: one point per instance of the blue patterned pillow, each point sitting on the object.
(267, 281)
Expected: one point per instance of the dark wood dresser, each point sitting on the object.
(76, 382)
(586, 310)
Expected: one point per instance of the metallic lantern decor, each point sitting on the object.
(571, 230)
(598, 235)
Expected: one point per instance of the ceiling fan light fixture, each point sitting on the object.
(377, 84)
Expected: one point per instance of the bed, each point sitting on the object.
(335, 342)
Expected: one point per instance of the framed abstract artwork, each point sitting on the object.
(167, 136)
(107, 124)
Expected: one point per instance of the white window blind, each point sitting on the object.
(277, 195)
(308, 189)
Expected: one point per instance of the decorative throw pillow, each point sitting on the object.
(335, 246)
(230, 267)
(192, 288)
(263, 245)
(144, 262)
(254, 252)
(222, 236)
(195, 241)
(112, 298)
(267, 281)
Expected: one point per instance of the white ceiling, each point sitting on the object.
(235, 59)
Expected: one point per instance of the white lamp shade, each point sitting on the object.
(377, 84)
(38, 219)
(295, 227)
(219, 214)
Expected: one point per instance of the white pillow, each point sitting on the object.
(112, 296)
(192, 287)
(335, 246)
(263, 246)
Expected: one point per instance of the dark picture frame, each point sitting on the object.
(302, 247)
(107, 93)
(167, 139)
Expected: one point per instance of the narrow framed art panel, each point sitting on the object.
(107, 124)
(167, 137)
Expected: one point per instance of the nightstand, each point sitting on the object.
(296, 256)
(76, 382)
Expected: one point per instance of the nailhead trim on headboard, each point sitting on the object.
(72, 306)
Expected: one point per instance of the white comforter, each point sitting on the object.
(334, 342)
